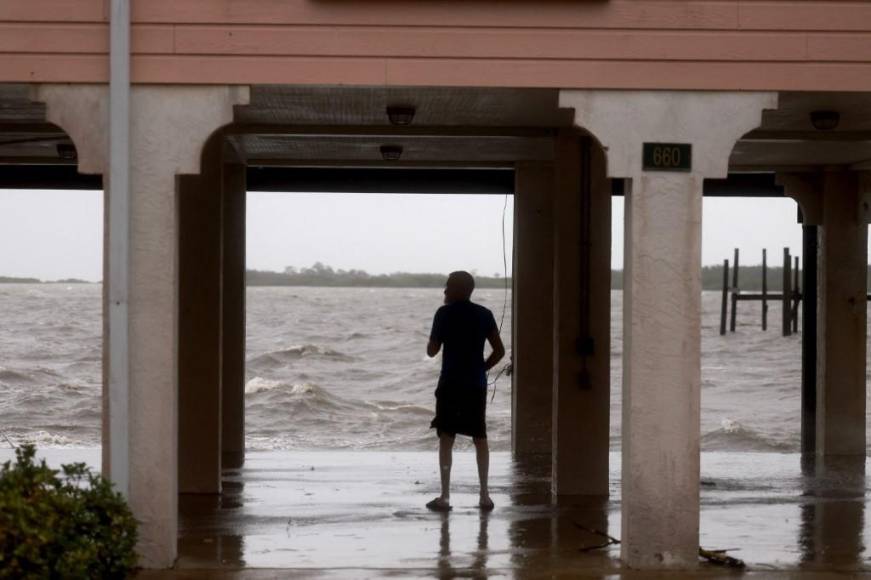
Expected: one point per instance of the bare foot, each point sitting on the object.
(486, 503)
(439, 504)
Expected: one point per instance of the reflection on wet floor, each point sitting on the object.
(361, 515)
(833, 514)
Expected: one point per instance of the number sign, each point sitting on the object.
(668, 157)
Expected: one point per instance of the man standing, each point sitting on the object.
(461, 397)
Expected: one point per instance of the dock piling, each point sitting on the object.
(809, 341)
(786, 295)
(724, 307)
(735, 292)
(796, 296)
(764, 289)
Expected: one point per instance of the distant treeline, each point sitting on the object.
(322, 275)
(749, 278)
(14, 280)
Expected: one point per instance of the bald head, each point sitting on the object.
(459, 286)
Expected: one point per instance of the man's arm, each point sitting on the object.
(498, 349)
(435, 336)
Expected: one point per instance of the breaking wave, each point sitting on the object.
(285, 356)
(733, 436)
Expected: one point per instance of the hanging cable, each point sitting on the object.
(506, 370)
(504, 265)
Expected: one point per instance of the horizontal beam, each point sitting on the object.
(370, 180)
(361, 180)
(773, 296)
(358, 164)
(47, 177)
(744, 185)
(813, 135)
(735, 185)
(384, 131)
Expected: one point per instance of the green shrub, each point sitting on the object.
(69, 526)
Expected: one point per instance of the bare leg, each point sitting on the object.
(446, 447)
(482, 455)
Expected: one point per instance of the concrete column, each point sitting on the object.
(662, 366)
(662, 301)
(199, 350)
(841, 316)
(233, 331)
(532, 298)
(807, 189)
(582, 280)
(169, 125)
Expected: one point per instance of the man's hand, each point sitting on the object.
(498, 350)
(433, 347)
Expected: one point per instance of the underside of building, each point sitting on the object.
(562, 104)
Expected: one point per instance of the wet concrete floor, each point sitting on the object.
(361, 515)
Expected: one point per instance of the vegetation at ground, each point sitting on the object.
(62, 524)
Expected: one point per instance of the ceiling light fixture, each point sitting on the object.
(400, 115)
(391, 152)
(825, 120)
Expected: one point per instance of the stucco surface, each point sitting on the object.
(532, 381)
(662, 293)
(169, 127)
(581, 383)
(841, 318)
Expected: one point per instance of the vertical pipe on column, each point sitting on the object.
(724, 307)
(119, 230)
(735, 291)
(785, 300)
(764, 289)
(809, 342)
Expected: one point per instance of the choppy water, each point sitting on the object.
(346, 368)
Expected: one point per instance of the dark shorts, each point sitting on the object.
(461, 410)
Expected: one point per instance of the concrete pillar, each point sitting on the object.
(582, 281)
(662, 300)
(661, 341)
(841, 316)
(199, 335)
(233, 330)
(169, 125)
(532, 298)
(807, 190)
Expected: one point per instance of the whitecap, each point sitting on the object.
(259, 384)
(45, 439)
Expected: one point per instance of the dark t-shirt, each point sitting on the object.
(463, 327)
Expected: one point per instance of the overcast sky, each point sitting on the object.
(58, 234)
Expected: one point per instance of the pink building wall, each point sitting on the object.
(638, 44)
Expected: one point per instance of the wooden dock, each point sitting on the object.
(790, 297)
